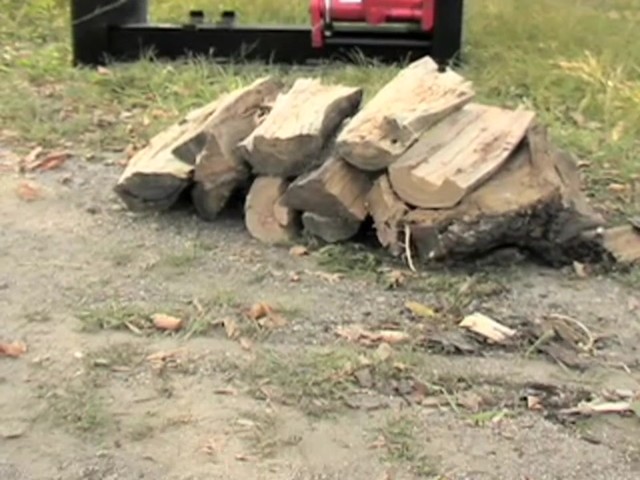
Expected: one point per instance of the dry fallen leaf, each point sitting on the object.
(617, 188)
(13, 349)
(50, 161)
(245, 343)
(28, 191)
(259, 310)
(420, 310)
(356, 333)
(487, 327)
(299, 251)
(166, 322)
(231, 327)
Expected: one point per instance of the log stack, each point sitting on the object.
(439, 175)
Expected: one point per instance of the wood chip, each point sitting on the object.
(487, 327)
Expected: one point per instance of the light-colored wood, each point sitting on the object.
(335, 189)
(302, 120)
(623, 243)
(220, 169)
(267, 219)
(329, 229)
(458, 155)
(487, 327)
(530, 203)
(387, 211)
(156, 175)
(417, 98)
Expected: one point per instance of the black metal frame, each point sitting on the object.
(119, 30)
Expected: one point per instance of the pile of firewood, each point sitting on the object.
(435, 174)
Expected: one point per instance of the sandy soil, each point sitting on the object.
(85, 404)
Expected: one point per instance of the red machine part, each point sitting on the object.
(372, 12)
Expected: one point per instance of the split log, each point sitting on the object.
(156, 176)
(417, 98)
(334, 190)
(531, 203)
(387, 211)
(290, 140)
(329, 229)
(220, 169)
(266, 217)
(457, 155)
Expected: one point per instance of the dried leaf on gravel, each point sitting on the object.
(266, 316)
(163, 321)
(420, 310)
(356, 333)
(28, 191)
(231, 327)
(487, 327)
(13, 349)
(259, 310)
(50, 161)
(299, 251)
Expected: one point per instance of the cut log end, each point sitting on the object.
(266, 217)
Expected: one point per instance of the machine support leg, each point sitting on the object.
(90, 20)
(447, 31)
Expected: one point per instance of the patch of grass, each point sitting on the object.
(115, 316)
(401, 434)
(261, 431)
(200, 317)
(78, 406)
(349, 259)
(125, 355)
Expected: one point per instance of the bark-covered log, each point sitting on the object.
(266, 217)
(293, 135)
(417, 98)
(220, 169)
(156, 176)
(533, 202)
(457, 155)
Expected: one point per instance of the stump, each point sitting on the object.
(416, 99)
(290, 140)
(220, 170)
(530, 203)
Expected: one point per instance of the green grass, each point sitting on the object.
(576, 62)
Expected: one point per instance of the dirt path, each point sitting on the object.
(88, 402)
